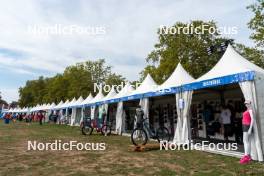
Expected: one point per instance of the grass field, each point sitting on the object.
(117, 159)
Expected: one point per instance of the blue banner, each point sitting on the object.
(224, 80)
(230, 79)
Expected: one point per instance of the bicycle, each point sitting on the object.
(141, 134)
(88, 126)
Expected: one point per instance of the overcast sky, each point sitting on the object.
(130, 33)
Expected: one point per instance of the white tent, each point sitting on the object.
(110, 95)
(104, 106)
(120, 114)
(126, 91)
(68, 103)
(233, 68)
(78, 102)
(49, 109)
(58, 105)
(76, 112)
(178, 78)
(66, 106)
(51, 106)
(87, 100)
(25, 110)
(148, 85)
(98, 98)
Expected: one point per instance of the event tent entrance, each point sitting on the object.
(163, 112)
(205, 115)
(129, 108)
(111, 114)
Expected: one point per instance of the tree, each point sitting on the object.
(79, 80)
(252, 54)
(189, 49)
(2, 101)
(13, 104)
(114, 80)
(76, 80)
(257, 23)
(99, 71)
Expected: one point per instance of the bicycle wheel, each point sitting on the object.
(139, 137)
(106, 130)
(163, 134)
(87, 130)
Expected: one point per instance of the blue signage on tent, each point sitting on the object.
(230, 79)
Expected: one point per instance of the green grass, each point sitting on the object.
(117, 159)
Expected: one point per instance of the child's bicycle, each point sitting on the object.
(88, 126)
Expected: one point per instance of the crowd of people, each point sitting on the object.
(32, 117)
(228, 121)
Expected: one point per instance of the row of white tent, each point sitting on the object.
(231, 68)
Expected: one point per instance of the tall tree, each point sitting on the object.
(188, 48)
(191, 50)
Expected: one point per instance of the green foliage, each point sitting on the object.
(257, 22)
(76, 81)
(114, 79)
(253, 54)
(1, 100)
(189, 49)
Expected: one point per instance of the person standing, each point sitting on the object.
(139, 115)
(7, 118)
(40, 117)
(101, 116)
(225, 119)
(207, 116)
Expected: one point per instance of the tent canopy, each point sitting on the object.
(148, 85)
(179, 77)
(58, 105)
(51, 106)
(88, 99)
(69, 104)
(99, 97)
(77, 103)
(110, 95)
(63, 105)
(173, 84)
(230, 63)
(231, 68)
(123, 94)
